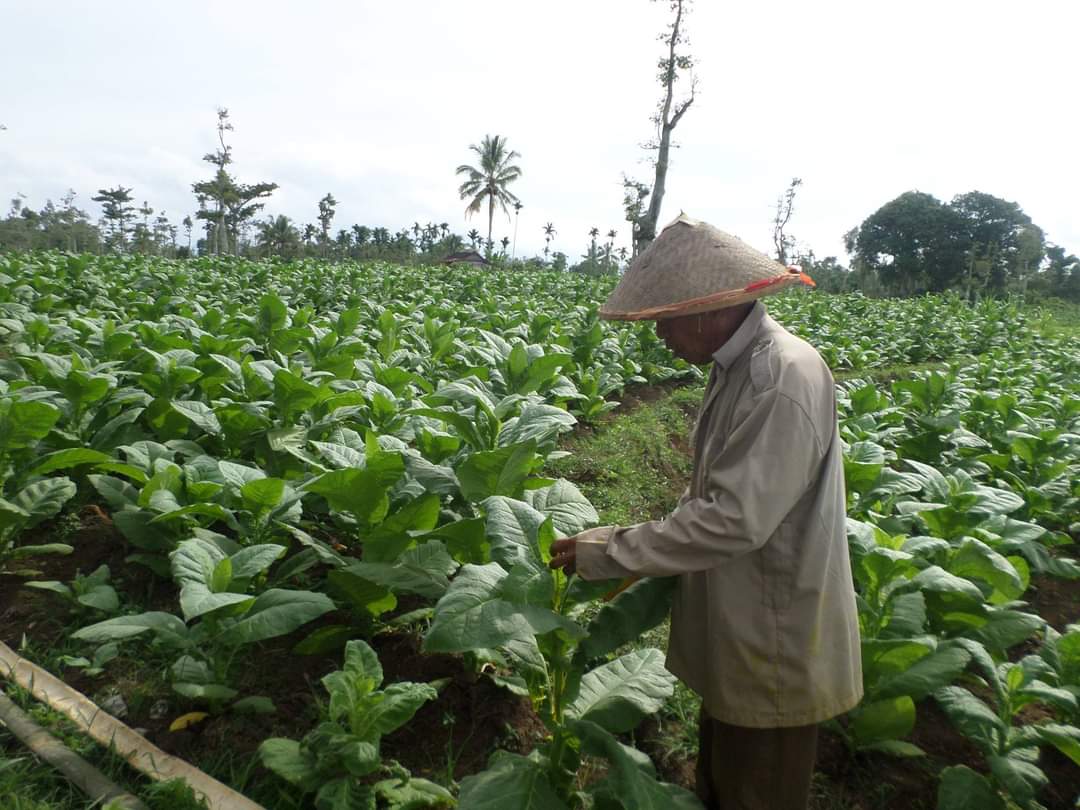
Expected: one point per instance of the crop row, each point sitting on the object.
(293, 442)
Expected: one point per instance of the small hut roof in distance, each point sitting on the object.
(466, 257)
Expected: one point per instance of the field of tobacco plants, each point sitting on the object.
(291, 521)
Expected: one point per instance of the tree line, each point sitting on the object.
(976, 244)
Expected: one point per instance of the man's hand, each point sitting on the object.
(564, 554)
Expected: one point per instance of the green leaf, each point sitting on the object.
(963, 789)
(632, 780)
(1007, 628)
(881, 720)
(618, 695)
(973, 718)
(497, 472)
(569, 510)
(931, 672)
(44, 499)
(116, 492)
(289, 761)
(251, 561)
(511, 782)
(518, 533)
(397, 532)
(412, 794)
(199, 414)
(976, 560)
(275, 612)
(361, 493)
(345, 794)
(895, 748)
(325, 639)
(472, 615)
(122, 627)
(41, 550)
(361, 593)
(639, 608)
(101, 597)
(262, 495)
(1020, 778)
(64, 459)
(23, 423)
(256, 704)
(424, 570)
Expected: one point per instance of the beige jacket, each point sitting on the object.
(764, 625)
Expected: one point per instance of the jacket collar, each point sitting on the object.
(743, 337)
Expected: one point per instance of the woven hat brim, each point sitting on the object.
(709, 303)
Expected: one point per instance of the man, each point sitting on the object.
(763, 624)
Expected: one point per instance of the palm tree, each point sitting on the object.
(593, 233)
(517, 216)
(489, 181)
(608, 247)
(474, 236)
(505, 242)
(549, 234)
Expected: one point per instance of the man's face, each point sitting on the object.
(695, 338)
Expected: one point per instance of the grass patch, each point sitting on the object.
(888, 374)
(1056, 316)
(635, 465)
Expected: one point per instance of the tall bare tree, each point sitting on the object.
(785, 207)
(669, 112)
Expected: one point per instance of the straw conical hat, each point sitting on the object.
(692, 267)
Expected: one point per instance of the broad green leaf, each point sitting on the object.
(361, 493)
(199, 414)
(397, 704)
(251, 561)
(497, 472)
(926, 675)
(362, 594)
(569, 510)
(412, 794)
(974, 719)
(398, 531)
(881, 720)
(275, 612)
(473, 615)
(122, 627)
(639, 608)
(40, 550)
(262, 495)
(511, 782)
(964, 789)
(632, 780)
(116, 492)
(65, 459)
(289, 761)
(345, 794)
(24, 423)
(618, 695)
(976, 560)
(423, 569)
(44, 499)
(1021, 779)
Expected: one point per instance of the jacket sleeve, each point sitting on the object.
(754, 480)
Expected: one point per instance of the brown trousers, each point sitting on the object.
(755, 768)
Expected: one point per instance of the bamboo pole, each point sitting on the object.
(81, 773)
(139, 752)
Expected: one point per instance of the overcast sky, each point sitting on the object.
(377, 103)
